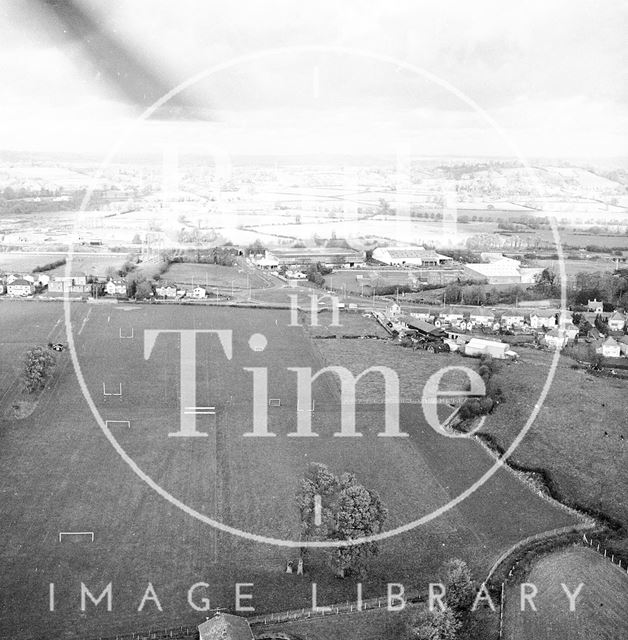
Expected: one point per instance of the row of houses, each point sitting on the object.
(468, 318)
(22, 286)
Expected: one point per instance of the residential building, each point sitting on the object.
(199, 292)
(570, 330)
(70, 284)
(617, 321)
(555, 339)
(20, 288)
(610, 348)
(623, 345)
(453, 317)
(595, 306)
(542, 319)
(426, 316)
(115, 287)
(512, 319)
(482, 318)
(166, 291)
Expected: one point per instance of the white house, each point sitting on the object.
(20, 288)
(623, 345)
(542, 319)
(595, 306)
(610, 348)
(426, 316)
(451, 317)
(482, 318)
(555, 339)
(166, 291)
(512, 319)
(115, 287)
(617, 321)
(199, 292)
(570, 330)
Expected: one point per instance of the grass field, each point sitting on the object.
(583, 420)
(89, 264)
(61, 474)
(212, 275)
(600, 609)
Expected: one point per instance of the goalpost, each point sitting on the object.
(111, 393)
(127, 423)
(274, 402)
(76, 533)
(128, 336)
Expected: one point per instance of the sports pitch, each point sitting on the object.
(61, 474)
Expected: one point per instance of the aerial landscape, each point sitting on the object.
(314, 327)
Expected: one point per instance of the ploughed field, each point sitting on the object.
(61, 473)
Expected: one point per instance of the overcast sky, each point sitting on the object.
(552, 74)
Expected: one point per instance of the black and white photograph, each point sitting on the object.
(313, 320)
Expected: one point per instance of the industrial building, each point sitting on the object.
(410, 256)
(329, 256)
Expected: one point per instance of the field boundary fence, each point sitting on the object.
(411, 596)
(522, 544)
(596, 546)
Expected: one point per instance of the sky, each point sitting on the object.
(413, 78)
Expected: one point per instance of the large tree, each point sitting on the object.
(459, 588)
(440, 624)
(39, 364)
(348, 511)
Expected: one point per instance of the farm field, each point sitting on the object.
(61, 474)
(590, 470)
(581, 240)
(92, 264)
(572, 267)
(600, 606)
(362, 281)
